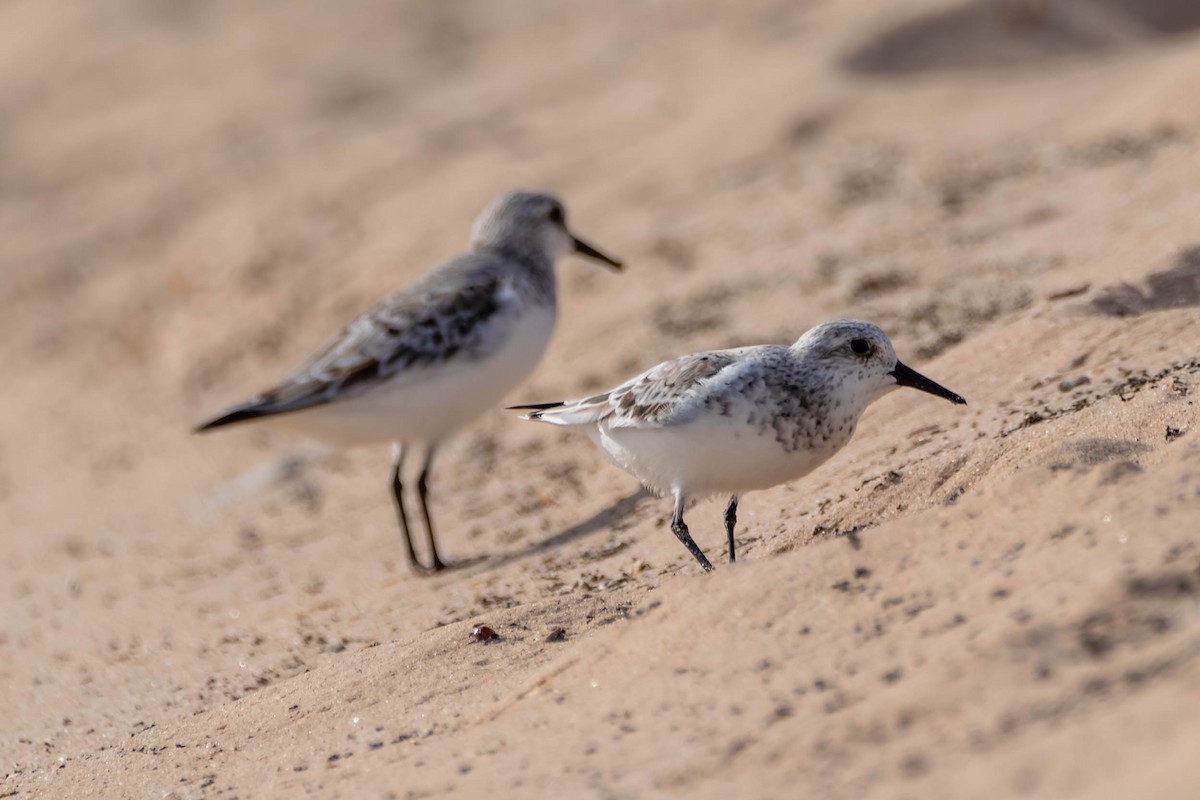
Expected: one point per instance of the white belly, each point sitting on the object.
(424, 405)
(709, 456)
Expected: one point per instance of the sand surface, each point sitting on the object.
(1000, 600)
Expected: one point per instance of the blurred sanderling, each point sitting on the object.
(734, 421)
(421, 364)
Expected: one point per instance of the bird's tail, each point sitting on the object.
(566, 412)
(536, 410)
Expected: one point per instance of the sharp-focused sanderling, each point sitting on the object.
(424, 362)
(734, 421)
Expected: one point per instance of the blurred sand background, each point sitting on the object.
(1001, 600)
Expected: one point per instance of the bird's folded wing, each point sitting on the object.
(664, 395)
(454, 315)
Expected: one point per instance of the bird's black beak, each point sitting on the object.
(906, 376)
(585, 249)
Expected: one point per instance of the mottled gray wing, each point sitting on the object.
(450, 314)
(664, 395)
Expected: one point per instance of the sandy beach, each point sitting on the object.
(990, 601)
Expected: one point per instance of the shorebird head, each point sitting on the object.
(861, 359)
(531, 224)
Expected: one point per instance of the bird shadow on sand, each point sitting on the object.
(601, 520)
(992, 34)
(1175, 287)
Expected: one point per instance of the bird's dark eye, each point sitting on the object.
(557, 216)
(860, 346)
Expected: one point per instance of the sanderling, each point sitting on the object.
(734, 421)
(424, 362)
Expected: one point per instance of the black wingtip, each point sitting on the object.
(230, 418)
(538, 406)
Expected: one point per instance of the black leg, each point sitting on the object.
(680, 529)
(730, 524)
(398, 494)
(435, 563)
